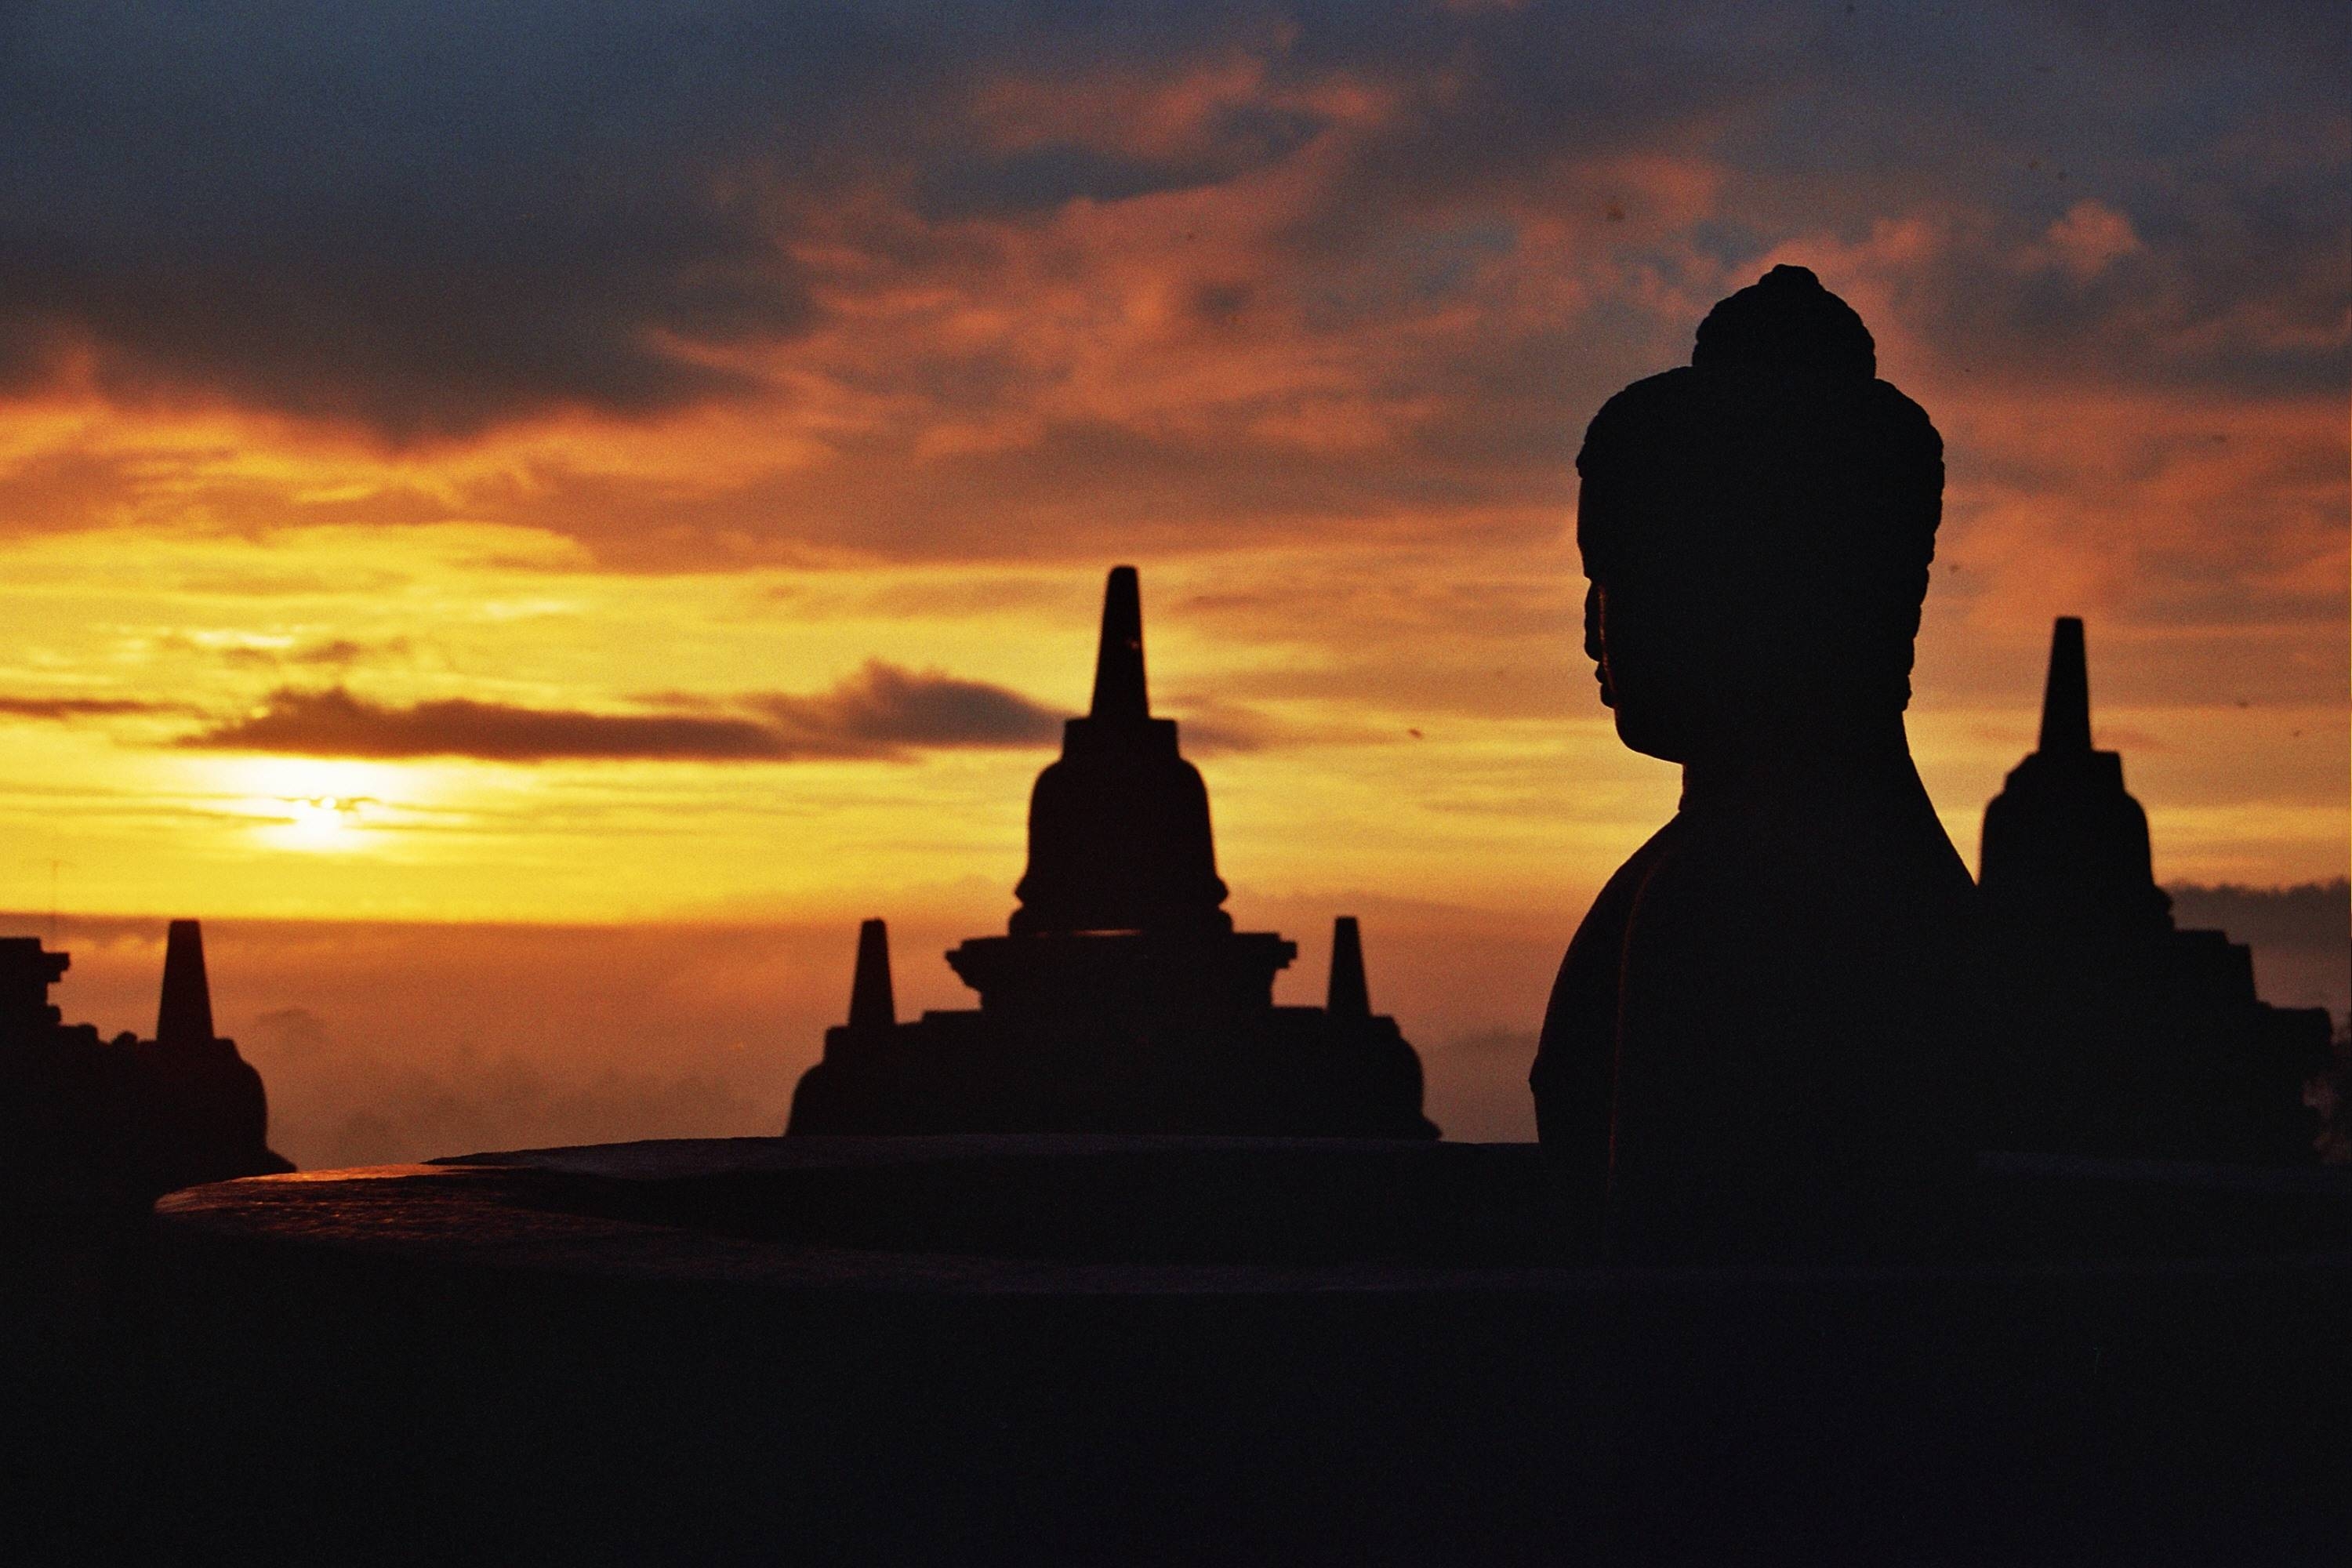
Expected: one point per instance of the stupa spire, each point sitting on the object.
(184, 1015)
(871, 1003)
(1120, 691)
(1347, 997)
(2066, 696)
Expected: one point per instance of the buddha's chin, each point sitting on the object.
(1643, 734)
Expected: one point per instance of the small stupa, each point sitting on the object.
(2118, 1032)
(2065, 846)
(1121, 998)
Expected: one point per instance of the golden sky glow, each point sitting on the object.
(1415, 722)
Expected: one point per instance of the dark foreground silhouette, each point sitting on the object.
(1124, 1350)
(1752, 1048)
(1122, 1000)
(93, 1130)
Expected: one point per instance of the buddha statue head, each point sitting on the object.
(1756, 528)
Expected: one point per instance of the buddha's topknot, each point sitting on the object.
(1786, 321)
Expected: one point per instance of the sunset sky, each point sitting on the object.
(512, 465)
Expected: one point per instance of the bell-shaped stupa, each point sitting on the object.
(2065, 845)
(2112, 1032)
(1118, 829)
(1121, 998)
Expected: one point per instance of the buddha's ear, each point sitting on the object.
(1593, 643)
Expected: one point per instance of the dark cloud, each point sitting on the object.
(885, 707)
(334, 724)
(882, 711)
(421, 219)
(426, 218)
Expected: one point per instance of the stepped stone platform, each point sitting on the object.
(1084, 1349)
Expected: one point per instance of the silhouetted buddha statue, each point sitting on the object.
(1748, 1052)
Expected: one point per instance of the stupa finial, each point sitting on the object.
(2066, 696)
(1347, 997)
(1118, 662)
(184, 1015)
(871, 1003)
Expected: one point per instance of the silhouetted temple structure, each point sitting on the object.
(89, 1127)
(1121, 1000)
(2120, 1034)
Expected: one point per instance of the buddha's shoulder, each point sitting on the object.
(1782, 869)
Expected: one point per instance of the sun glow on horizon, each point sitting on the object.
(324, 823)
(323, 806)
